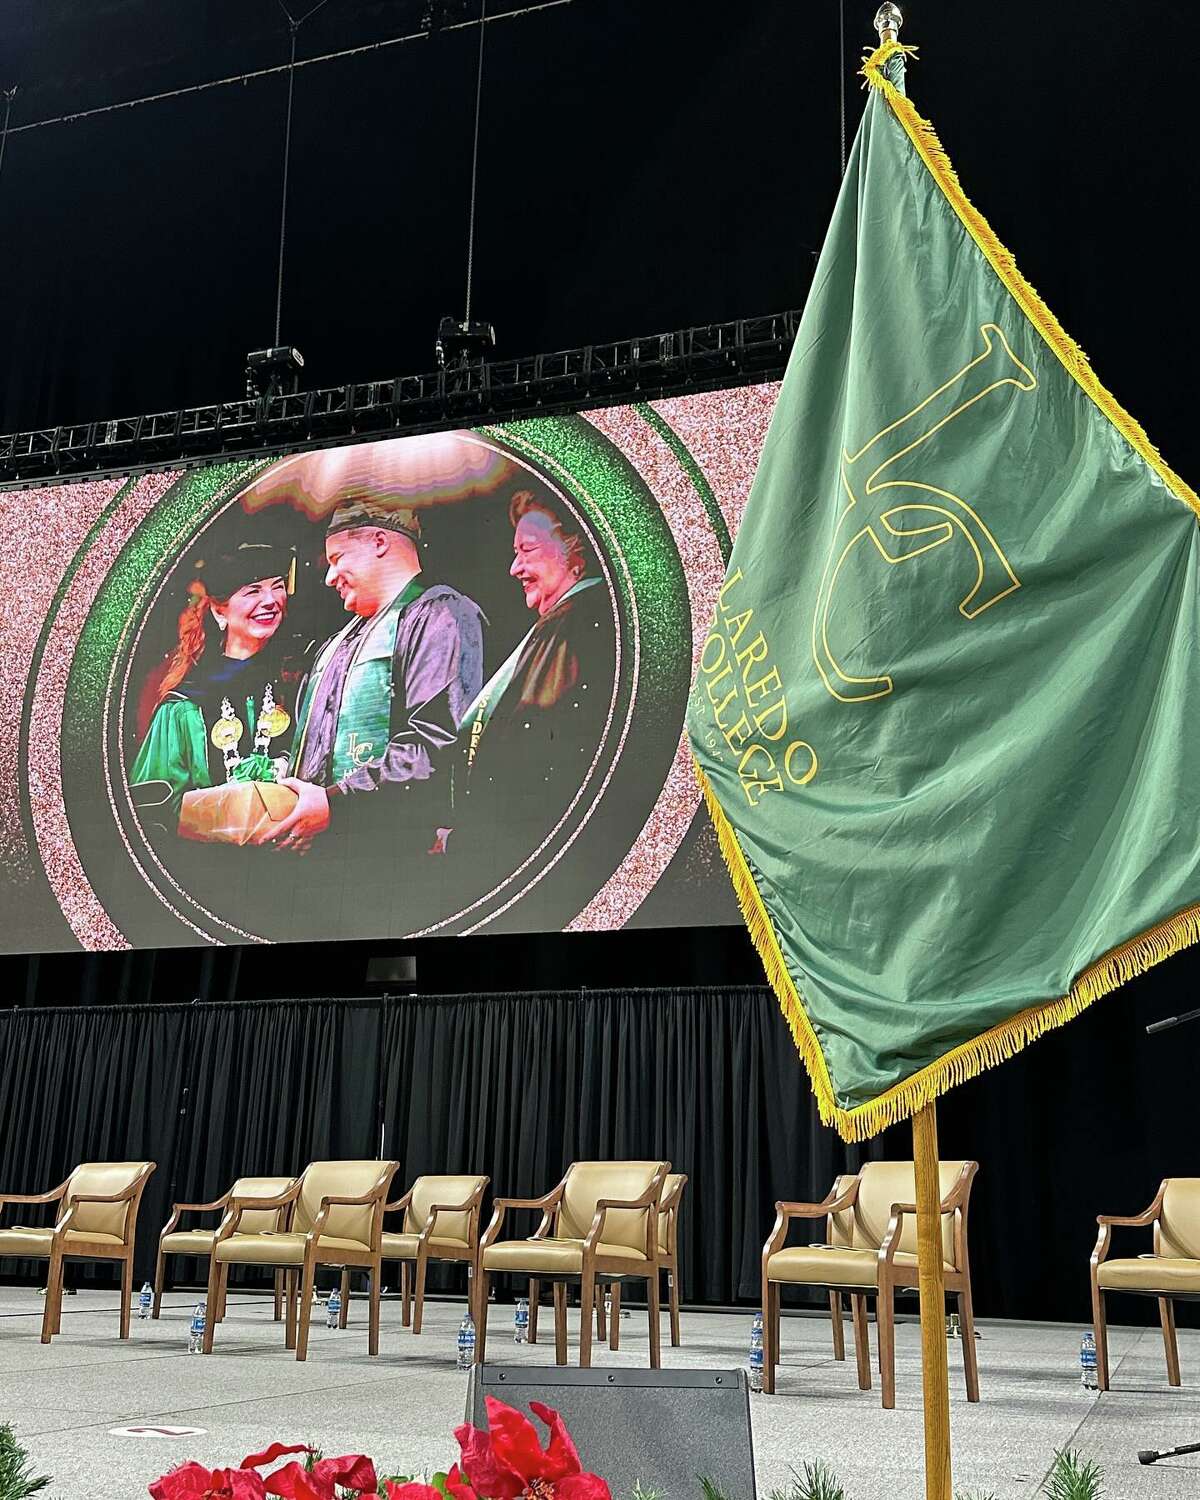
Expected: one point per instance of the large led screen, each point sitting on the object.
(423, 685)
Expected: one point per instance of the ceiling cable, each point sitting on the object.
(9, 96)
(304, 62)
(475, 159)
(283, 196)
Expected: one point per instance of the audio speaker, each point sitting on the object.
(664, 1428)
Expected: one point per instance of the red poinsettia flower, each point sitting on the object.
(509, 1461)
(192, 1481)
(294, 1482)
(410, 1490)
(276, 1450)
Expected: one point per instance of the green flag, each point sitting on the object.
(945, 717)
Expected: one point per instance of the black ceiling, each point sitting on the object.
(643, 166)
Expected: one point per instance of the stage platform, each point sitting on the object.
(401, 1407)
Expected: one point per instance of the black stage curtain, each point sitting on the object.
(518, 1085)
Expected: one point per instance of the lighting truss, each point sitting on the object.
(665, 364)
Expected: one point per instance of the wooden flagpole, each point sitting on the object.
(934, 1372)
(935, 1375)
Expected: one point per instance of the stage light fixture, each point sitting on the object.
(463, 343)
(273, 372)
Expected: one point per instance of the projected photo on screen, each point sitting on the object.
(426, 685)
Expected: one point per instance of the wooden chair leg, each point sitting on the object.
(405, 1293)
(770, 1293)
(560, 1323)
(601, 1326)
(835, 1315)
(289, 1309)
(535, 1297)
(344, 1314)
(278, 1296)
(862, 1344)
(481, 1313)
(126, 1294)
(160, 1269)
(420, 1296)
(306, 1297)
(654, 1310)
(614, 1317)
(53, 1296)
(885, 1320)
(587, 1293)
(673, 1297)
(223, 1302)
(376, 1275)
(966, 1318)
(1100, 1330)
(1166, 1314)
(211, 1300)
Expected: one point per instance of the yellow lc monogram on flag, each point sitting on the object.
(904, 527)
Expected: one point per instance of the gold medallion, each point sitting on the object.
(226, 733)
(274, 721)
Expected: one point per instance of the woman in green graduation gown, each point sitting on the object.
(221, 686)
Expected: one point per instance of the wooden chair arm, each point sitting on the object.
(954, 1200)
(500, 1207)
(390, 1208)
(181, 1208)
(122, 1197)
(548, 1201)
(1134, 1221)
(51, 1197)
(289, 1195)
(449, 1208)
(377, 1193)
(832, 1203)
(343, 1200)
(645, 1200)
(235, 1207)
(665, 1205)
(1109, 1222)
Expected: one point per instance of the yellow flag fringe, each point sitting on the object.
(964, 1062)
(924, 138)
(1122, 963)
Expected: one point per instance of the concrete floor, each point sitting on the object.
(402, 1406)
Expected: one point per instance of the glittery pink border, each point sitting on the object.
(89, 921)
(725, 442)
(662, 833)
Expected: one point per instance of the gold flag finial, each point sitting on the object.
(888, 22)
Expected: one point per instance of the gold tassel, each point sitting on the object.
(967, 1061)
(924, 138)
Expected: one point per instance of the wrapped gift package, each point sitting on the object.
(234, 813)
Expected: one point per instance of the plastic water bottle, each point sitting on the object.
(520, 1321)
(754, 1363)
(196, 1331)
(145, 1300)
(466, 1343)
(1088, 1378)
(333, 1314)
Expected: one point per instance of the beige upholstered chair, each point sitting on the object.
(441, 1222)
(601, 1219)
(199, 1242)
(1171, 1272)
(337, 1220)
(870, 1249)
(97, 1220)
(668, 1261)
